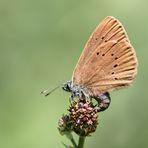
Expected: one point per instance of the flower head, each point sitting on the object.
(83, 117)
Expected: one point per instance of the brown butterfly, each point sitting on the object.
(108, 62)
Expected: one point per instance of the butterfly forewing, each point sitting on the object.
(108, 60)
(109, 29)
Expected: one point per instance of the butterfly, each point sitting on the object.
(108, 62)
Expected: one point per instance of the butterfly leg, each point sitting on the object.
(104, 101)
(71, 98)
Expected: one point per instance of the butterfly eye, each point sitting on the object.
(66, 87)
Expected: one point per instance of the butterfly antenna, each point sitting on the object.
(47, 92)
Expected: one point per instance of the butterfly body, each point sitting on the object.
(108, 62)
(83, 93)
(76, 90)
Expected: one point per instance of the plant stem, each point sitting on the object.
(81, 141)
(73, 142)
(70, 137)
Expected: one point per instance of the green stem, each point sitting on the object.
(70, 137)
(73, 142)
(81, 142)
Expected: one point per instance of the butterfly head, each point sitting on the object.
(67, 86)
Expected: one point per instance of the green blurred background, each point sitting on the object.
(40, 42)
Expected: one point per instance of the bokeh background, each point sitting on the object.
(40, 42)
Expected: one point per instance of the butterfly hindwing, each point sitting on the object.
(118, 69)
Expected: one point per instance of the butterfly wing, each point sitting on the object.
(109, 29)
(108, 60)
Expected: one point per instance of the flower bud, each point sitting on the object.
(64, 125)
